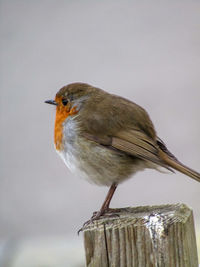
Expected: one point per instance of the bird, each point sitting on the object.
(106, 138)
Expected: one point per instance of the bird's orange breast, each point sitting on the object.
(62, 112)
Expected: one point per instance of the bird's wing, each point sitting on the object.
(122, 125)
(133, 143)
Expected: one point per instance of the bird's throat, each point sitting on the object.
(61, 115)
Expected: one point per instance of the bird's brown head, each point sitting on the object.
(68, 101)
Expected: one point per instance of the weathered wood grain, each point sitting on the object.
(160, 236)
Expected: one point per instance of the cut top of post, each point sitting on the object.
(151, 216)
(142, 236)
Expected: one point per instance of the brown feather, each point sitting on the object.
(171, 161)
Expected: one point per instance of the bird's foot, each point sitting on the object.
(96, 216)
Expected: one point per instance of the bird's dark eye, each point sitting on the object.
(64, 101)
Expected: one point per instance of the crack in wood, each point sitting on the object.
(106, 244)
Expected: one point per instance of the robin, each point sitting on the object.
(107, 138)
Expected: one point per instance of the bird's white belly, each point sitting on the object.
(69, 159)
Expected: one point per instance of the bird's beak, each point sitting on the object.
(52, 102)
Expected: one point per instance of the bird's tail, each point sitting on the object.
(172, 162)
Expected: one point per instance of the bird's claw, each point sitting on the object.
(96, 215)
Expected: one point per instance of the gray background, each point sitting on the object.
(147, 51)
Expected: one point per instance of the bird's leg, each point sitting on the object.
(107, 200)
(106, 203)
(104, 207)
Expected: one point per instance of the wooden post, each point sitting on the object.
(160, 236)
